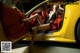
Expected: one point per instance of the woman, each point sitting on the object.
(52, 20)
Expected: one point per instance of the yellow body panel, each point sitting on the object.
(52, 38)
(70, 18)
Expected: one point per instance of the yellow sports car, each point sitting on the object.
(65, 29)
(70, 28)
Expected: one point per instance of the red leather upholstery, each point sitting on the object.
(34, 21)
(56, 23)
(11, 23)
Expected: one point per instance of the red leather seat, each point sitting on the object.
(56, 23)
(10, 20)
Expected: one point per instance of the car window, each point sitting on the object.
(41, 7)
(35, 8)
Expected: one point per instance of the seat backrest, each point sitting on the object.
(12, 27)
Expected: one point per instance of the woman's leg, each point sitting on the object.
(31, 18)
(35, 16)
(39, 18)
(43, 27)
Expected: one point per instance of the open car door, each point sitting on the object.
(11, 28)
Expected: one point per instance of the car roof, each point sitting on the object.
(62, 0)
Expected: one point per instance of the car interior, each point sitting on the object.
(45, 10)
